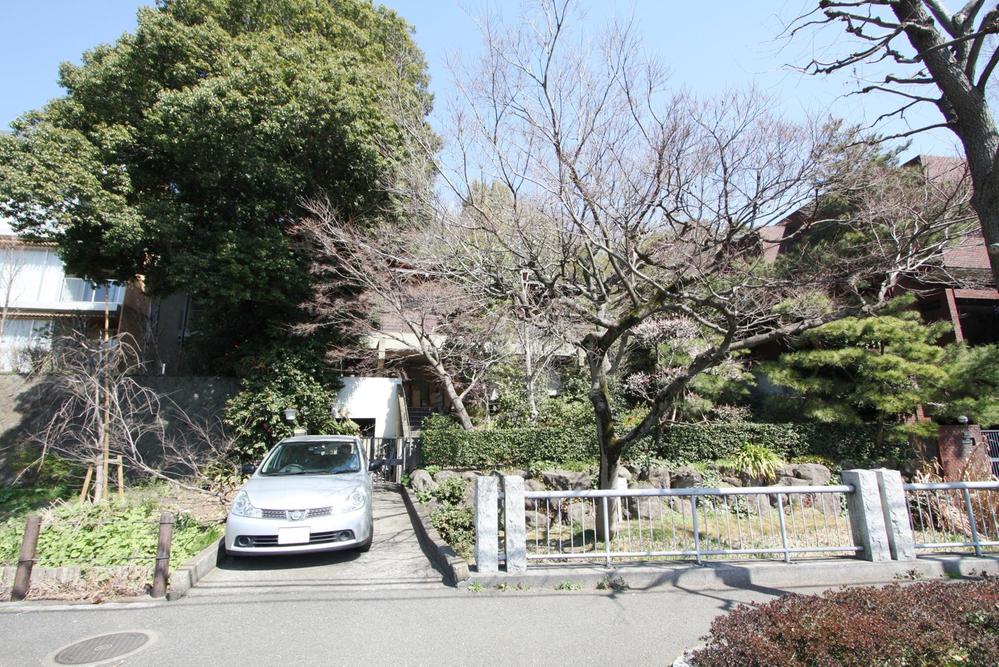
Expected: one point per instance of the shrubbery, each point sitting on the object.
(931, 623)
(105, 534)
(445, 444)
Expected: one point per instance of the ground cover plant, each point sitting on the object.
(108, 534)
(453, 518)
(929, 623)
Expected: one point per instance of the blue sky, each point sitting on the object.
(710, 46)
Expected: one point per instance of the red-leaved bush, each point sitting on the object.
(931, 623)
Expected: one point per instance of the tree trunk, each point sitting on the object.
(457, 404)
(610, 451)
(529, 374)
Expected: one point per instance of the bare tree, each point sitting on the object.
(933, 56)
(379, 270)
(98, 408)
(627, 204)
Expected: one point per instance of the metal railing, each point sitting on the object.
(698, 523)
(992, 443)
(954, 515)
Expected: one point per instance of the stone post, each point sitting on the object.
(486, 524)
(515, 530)
(867, 519)
(896, 514)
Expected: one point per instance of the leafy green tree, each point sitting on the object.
(880, 370)
(182, 152)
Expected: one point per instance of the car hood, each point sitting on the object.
(299, 492)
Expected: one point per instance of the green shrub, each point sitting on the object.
(456, 524)
(286, 380)
(815, 458)
(446, 445)
(756, 462)
(105, 534)
(449, 492)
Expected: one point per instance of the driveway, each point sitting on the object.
(395, 561)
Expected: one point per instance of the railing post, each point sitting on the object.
(515, 529)
(867, 519)
(974, 524)
(697, 533)
(26, 558)
(607, 536)
(161, 575)
(486, 517)
(895, 508)
(783, 526)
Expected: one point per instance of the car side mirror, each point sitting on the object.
(249, 468)
(376, 464)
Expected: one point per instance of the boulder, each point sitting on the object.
(443, 475)
(815, 474)
(658, 477)
(536, 520)
(624, 473)
(420, 480)
(642, 507)
(685, 478)
(566, 480)
(470, 476)
(533, 485)
(732, 481)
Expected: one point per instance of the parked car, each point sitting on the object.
(310, 493)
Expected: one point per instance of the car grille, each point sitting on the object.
(328, 537)
(309, 514)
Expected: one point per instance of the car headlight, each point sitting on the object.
(242, 506)
(354, 501)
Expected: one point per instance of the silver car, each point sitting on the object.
(311, 493)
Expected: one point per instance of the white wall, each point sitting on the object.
(372, 398)
(33, 277)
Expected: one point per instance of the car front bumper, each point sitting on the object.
(248, 536)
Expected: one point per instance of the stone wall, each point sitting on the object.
(22, 408)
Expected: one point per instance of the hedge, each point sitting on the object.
(446, 445)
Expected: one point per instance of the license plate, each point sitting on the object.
(293, 535)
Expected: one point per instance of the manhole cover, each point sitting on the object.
(102, 648)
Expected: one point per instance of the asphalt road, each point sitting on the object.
(404, 627)
(388, 606)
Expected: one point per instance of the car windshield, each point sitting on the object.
(312, 458)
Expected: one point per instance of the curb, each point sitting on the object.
(188, 574)
(728, 575)
(454, 567)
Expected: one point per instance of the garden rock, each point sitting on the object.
(566, 480)
(732, 481)
(470, 476)
(533, 485)
(420, 480)
(642, 507)
(686, 478)
(443, 475)
(658, 477)
(815, 474)
(624, 473)
(535, 520)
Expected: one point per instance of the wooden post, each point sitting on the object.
(26, 559)
(121, 478)
(161, 574)
(86, 483)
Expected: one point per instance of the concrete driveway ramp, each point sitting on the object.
(395, 561)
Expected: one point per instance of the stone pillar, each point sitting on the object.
(867, 520)
(959, 460)
(515, 530)
(486, 524)
(896, 514)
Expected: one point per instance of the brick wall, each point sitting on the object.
(960, 462)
